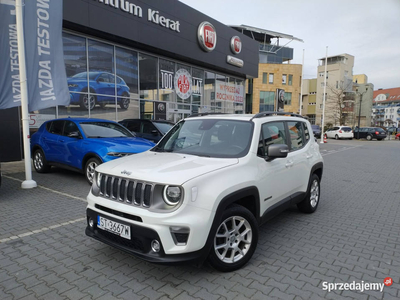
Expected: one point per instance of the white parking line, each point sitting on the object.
(48, 189)
(39, 230)
(336, 151)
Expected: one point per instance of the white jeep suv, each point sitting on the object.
(205, 188)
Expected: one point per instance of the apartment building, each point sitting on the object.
(386, 107)
(274, 72)
(343, 93)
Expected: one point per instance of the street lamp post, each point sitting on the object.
(359, 110)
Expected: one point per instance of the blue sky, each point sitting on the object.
(367, 29)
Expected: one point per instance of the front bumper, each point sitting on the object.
(140, 243)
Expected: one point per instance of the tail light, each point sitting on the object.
(340, 131)
(376, 132)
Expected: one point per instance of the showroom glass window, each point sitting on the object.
(75, 60)
(197, 89)
(166, 80)
(239, 96)
(148, 76)
(267, 100)
(209, 92)
(288, 98)
(220, 94)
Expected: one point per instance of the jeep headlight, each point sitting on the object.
(172, 195)
(98, 178)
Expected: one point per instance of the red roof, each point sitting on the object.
(391, 95)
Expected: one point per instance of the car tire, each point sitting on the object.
(350, 139)
(379, 139)
(369, 137)
(237, 242)
(124, 102)
(336, 137)
(84, 100)
(311, 201)
(90, 165)
(39, 162)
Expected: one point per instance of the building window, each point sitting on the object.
(284, 79)
(265, 78)
(288, 98)
(271, 78)
(267, 101)
(311, 118)
(290, 79)
(321, 74)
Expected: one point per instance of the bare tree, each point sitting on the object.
(339, 102)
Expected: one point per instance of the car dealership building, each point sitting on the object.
(144, 59)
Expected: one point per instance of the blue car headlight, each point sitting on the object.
(118, 154)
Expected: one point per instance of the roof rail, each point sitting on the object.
(204, 114)
(276, 113)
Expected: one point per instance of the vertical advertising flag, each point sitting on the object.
(280, 99)
(46, 77)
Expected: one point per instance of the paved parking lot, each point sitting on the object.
(353, 237)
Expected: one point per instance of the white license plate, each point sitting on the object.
(114, 227)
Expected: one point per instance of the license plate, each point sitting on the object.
(114, 227)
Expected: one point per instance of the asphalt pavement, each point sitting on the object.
(353, 238)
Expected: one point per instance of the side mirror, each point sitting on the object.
(74, 134)
(277, 151)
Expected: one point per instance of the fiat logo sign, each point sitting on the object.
(207, 36)
(236, 44)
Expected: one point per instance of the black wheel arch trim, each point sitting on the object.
(228, 200)
(89, 156)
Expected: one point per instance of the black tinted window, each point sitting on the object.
(70, 127)
(57, 127)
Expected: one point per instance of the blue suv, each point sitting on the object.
(102, 90)
(82, 144)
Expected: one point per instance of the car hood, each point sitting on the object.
(164, 168)
(123, 144)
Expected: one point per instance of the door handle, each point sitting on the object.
(289, 164)
(61, 141)
(309, 156)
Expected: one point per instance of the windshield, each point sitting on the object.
(315, 127)
(104, 130)
(83, 75)
(163, 127)
(208, 137)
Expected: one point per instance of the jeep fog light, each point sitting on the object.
(155, 246)
(91, 223)
(172, 195)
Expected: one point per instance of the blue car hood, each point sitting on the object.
(123, 144)
(76, 80)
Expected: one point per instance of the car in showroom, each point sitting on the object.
(316, 131)
(203, 191)
(103, 87)
(152, 130)
(339, 132)
(81, 144)
(370, 133)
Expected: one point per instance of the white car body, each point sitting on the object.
(206, 183)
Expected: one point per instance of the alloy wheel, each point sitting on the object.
(314, 193)
(233, 239)
(90, 171)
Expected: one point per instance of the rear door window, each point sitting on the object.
(271, 133)
(296, 134)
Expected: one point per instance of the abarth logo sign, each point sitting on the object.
(183, 83)
(207, 36)
(236, 44)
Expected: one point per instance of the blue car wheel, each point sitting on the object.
(84, 100)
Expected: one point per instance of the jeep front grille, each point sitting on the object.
(128, 191)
